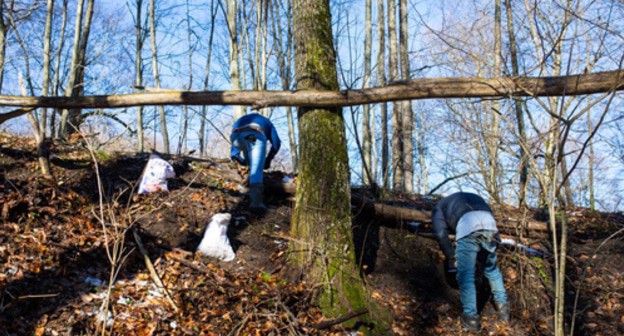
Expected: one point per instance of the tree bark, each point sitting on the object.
(321, 225)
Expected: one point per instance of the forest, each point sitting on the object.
(383, 108)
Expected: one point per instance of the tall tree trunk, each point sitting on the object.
(75, 115)
(518, 106)
(381, 81)
(398, 182)
(72, 119)
(203, 116)
(161, 109)
(234, 60)
(73, 70)
(367, 175)
(27, 87)
(3, 43)
(406, 106)
(182, 140)
(567, 189)
(423, 183)
(284, 62)
(138, 68)
(590, 128)
(321, 225)
(45, 86)
(55, 131)
(493, 134)
(554, 147)
(43, 150)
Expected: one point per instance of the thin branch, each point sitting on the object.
(15, 113)
(348, 316)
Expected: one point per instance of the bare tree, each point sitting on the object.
(3, 43)
(203, 117)
(140, 36)
(234, 57)
(367, 172)
(381, 81)
(161, 109)
(407, 115)
(283, 54)
(71, 119)
(184, 122)
(45, 87)
(54, 131)
(398, 171)
(519, 108)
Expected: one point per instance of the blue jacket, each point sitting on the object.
(260, 124)
(447, 213)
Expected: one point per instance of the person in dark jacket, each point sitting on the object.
(470, 219)
(249, 138)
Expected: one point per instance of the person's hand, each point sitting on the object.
(450, 274)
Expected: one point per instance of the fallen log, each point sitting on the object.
(396, 216)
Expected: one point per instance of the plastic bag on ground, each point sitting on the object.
(155, 175)
(215, 242)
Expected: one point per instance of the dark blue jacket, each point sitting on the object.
(447, 213)
(260, 124)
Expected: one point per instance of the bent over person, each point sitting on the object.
(470, 218)
(249, 138)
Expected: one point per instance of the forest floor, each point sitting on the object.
(71, 262)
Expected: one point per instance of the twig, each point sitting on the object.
(236, 331)
(152, 271)
(329, 323)
(37, 296)
(292, 319)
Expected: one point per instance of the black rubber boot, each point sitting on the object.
(503, 311)
(255, 197)
(471, 323)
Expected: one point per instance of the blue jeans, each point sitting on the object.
(253, 146)
(481, 245)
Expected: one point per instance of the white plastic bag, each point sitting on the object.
(155, 175)
(215, 242)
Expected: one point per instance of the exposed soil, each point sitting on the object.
(57, 240)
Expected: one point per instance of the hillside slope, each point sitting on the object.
(57, 240)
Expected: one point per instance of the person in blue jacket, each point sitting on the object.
(249, 138)
(470, 219)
